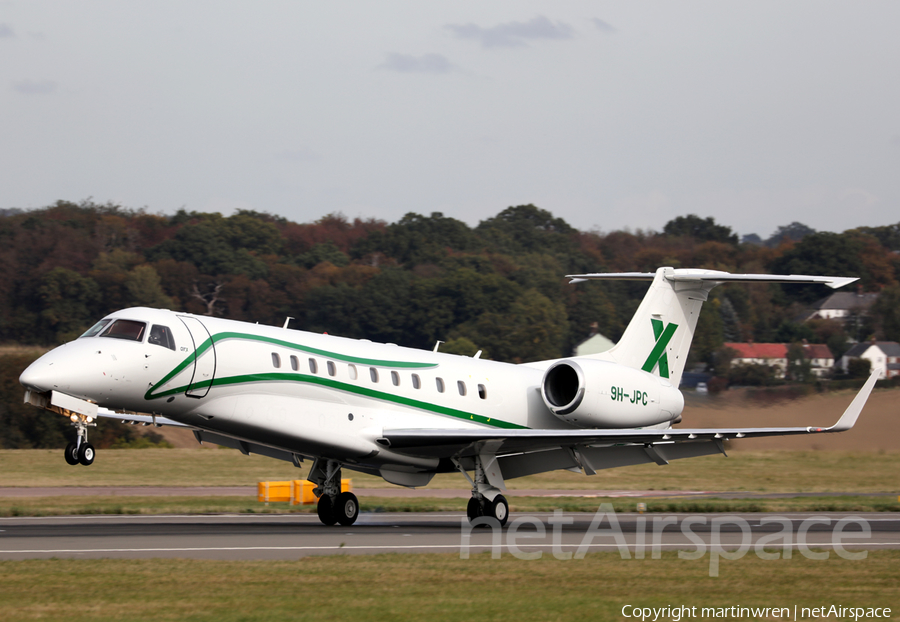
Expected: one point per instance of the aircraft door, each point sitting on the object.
(204, 359)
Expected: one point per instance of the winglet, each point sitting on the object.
(848, 419)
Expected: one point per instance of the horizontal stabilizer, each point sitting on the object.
(714, 276)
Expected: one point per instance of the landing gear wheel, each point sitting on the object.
(86, 454)
(325, 510)
(346, 508)
(474, 509)
(72, 454)
(499, 509)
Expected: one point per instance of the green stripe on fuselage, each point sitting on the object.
(318, 380)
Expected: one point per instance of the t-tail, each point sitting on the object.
(658, 338)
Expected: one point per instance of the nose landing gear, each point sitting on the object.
(81, 451)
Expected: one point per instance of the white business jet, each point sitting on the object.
(400, 413)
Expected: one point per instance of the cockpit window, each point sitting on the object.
(161, 336)
(96, 328)
(125, 329)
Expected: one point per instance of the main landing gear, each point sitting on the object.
(498, 508)
(486, 501)
(81, 451)
(334, 506)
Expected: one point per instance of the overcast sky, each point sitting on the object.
(610, 115)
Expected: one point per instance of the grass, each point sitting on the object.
(430, 587)
(71, 506)
(772, 471)
(767, 471)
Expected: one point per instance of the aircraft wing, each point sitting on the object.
(453, 442)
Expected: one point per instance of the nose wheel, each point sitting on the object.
(72, 454)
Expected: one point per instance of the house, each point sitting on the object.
(821, 360)
(594, 344)
(841, 306)
(883, 355)
(770, 354)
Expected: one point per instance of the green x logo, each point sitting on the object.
(658, 354)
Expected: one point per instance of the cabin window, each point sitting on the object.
(161, 336)
(440, 384)
(125, 329)
(373, 374)
(417, 384)
(395, 378)
(96, 328)
(351, 369)
(276, 360)
(332, 370)
(295, 363)
(482, 391)
(313, 366)
(461, 386)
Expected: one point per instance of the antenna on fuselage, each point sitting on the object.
(477, 355)
(287, 321)
(437, 345)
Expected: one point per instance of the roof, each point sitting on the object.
(594, 344)
(890, 348)
(759, 350)
(846, 300)
(817, 351)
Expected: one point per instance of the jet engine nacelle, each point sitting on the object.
(598, 394)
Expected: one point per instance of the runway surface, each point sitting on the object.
(293, 536)
(446, 493)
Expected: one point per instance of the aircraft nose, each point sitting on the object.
(37, 376)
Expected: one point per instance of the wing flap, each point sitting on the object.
(143, 419)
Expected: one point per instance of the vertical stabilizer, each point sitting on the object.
(659, 335)
(658, 338)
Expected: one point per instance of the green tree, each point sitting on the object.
(859, 368)
(799, 368)
(886, 313)
(533, 329)
(461, 346)
(68, 302)
(789, 332)
(708, 336)
(828, 254)
(145, 290)
(751, 375)
(526, 229)
(326, 251)
(793, 232)
(700, 229)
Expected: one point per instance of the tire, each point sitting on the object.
(325, 510)
(499, 509)
(474, 509)
(346, 508)
(71, 454)
(86, 454)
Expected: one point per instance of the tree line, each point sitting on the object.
(498, 286)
